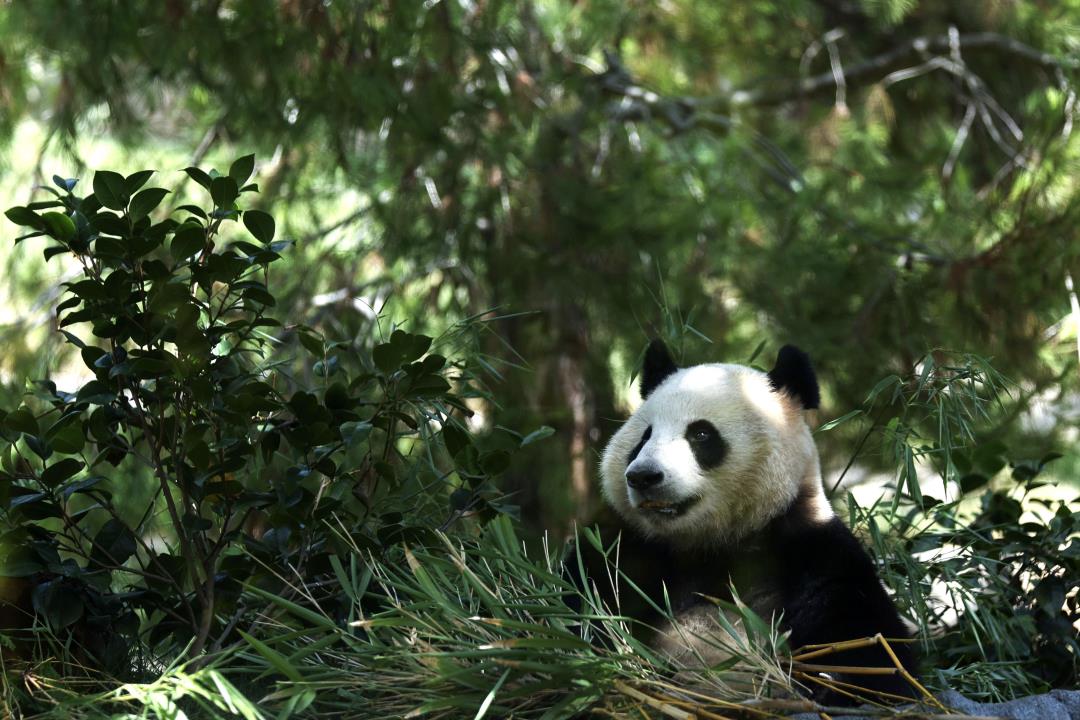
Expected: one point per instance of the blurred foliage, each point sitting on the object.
(573, 158)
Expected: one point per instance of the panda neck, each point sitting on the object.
(750, 555)
(809, 508)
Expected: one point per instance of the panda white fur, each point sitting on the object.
(715, 481)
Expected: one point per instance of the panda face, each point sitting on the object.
(713, 454)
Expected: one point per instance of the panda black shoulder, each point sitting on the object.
(830, 590)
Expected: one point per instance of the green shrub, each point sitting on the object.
(191, 464)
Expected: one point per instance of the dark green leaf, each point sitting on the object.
(35, 507)
(136, 180)
(187, 241)
(95, 392)
(1049, 458)
(110, 224)
(68, 440)
(22, 420)
(194, 210)
(402, 349)
(312, 344)
(91, 355)
(260, 224)
(428, 386)
(109, 189)
(114, 544)
(57, 604)
(73, 339)
(413, 346)
(199, 176)
(386, 358)
(496, 462)
(26, 498)
(19, 559)
(60, 471)
(168, 296)
(259, 295)
(39, 446)
(89, 290)
(25, 217)
(241, 170)
(455, 438)
(144, 203)
(224, 190)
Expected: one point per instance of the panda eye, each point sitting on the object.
(701, 431)
(706, 443)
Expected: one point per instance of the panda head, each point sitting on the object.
(715, 451)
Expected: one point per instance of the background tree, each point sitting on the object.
(868, 179)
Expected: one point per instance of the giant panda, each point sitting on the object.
(714, 483)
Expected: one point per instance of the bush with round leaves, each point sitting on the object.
(191, 463)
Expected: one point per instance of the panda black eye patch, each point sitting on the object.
(641, 444)
(708, 447)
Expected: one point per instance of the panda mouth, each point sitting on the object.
(667, 509)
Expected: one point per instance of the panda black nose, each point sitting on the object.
(642, 479)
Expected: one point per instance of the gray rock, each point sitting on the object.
(1070, 699)
(1055, 705)
(1036, 707)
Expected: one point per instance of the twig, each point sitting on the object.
(939, 43)
(837, 69)
(958, 142)
(319, 233)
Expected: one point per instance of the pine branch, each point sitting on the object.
(879, 63)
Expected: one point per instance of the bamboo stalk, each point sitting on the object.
(652, 702)
(908, 676)
(699, 711)
(834, 684)
(830, 648)
(709, 699)
(846, 669)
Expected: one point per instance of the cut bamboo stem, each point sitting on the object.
(660, 705)
(846, 669)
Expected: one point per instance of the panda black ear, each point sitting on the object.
(794, 375)
(656, 367)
